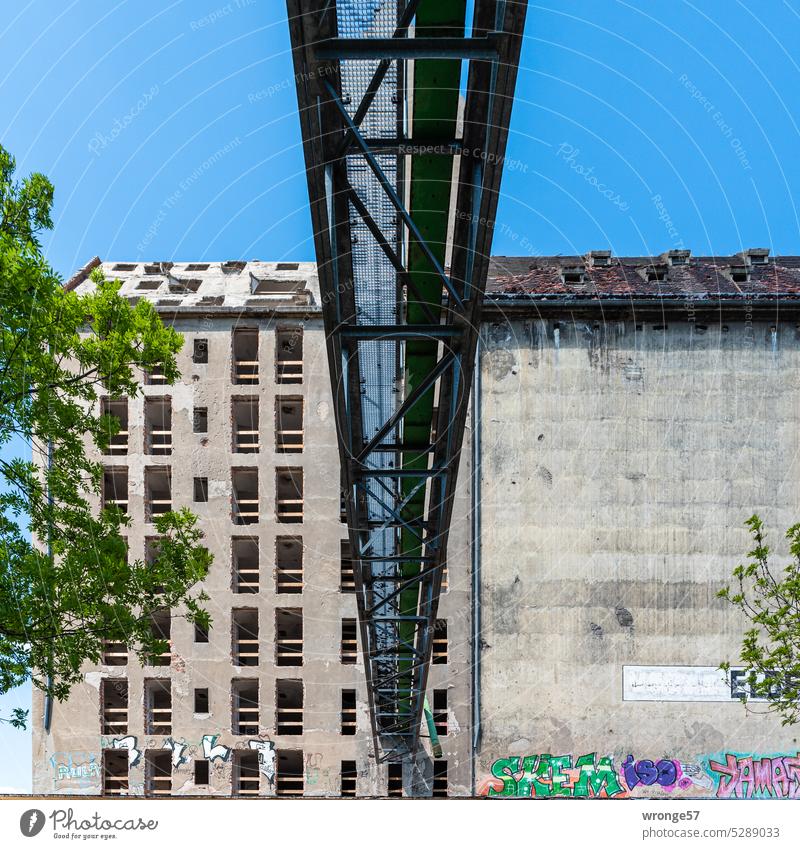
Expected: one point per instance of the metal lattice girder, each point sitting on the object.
(393, 161)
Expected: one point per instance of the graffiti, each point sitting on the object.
(546, 776)
(178, 749)
(211, 750)
(313, 763)
(266, 758)
(128, 743)
(754, 777)
(74, 768)
(665, 773)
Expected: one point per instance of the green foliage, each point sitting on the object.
(18, 718)
(59, 352)
(770, 599)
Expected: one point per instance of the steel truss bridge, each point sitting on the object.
(404, 121)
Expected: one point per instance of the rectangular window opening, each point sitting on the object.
(288, 424)
(158, 491)
(289, 495)
(347, 578)
(158, 773)
(289, 778)
(201, 490)
(245, 565)
(289, 355)
(246, 777)
(289, 637)
(201, 773)
(200, 420)
(245, 357)
(245, 496)
(289, 706)
(200, 351)
(440, 712)
(439, 779)
(158, 706)
(244, 650)
(348, 713)
(117, 411)
(115, 772)
(440, 641)
(245, 713)
(201, 700)
(115, 488)
(348, 779)
(349, 650)
(158, 426)
(161, 624)
(289, 565)
(114, 699)
(395, 780)
(244, 415)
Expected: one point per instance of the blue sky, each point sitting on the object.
(170, 132)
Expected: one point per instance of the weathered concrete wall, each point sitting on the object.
(69, 759)
(619, 464)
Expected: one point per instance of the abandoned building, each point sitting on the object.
(629, 414)
(634, 413)
(271, 700)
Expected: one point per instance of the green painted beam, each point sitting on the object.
(435, 112)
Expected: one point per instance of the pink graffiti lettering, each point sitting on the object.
(746, 777)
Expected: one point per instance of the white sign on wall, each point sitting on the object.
(682, 684)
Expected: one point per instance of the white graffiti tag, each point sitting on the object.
(266, 758)
(177, 749)
(211, 750)
(128, 743)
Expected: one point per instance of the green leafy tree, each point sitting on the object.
(73, 588)
(769, 597)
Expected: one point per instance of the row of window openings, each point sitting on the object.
(246, 643)
(245, 710)
(244, 499)
(288, 563)
(245, 778)
(244, 425)
(244, 359)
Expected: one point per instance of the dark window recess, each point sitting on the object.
(348, 713)
(201, 700)
(439, 779)
(287, 266)
(349, 651)
(347, 580)
(201, 489)
(200, 633)
(440, 712)
(440, 641)
(201, 772)
(348, 778)
(200, 420)
(395, 786)
(200, 353)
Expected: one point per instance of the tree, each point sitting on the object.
(74, 587)
(769, 597)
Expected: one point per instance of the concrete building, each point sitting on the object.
(271, 701)
(631, 414)
(634, 413)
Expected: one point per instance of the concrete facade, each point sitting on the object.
(622, 450)
(210, 302)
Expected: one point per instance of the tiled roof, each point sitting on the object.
(673, 276)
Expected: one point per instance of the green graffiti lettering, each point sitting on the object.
(504, 769)
(560, 781)
(596, 776)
